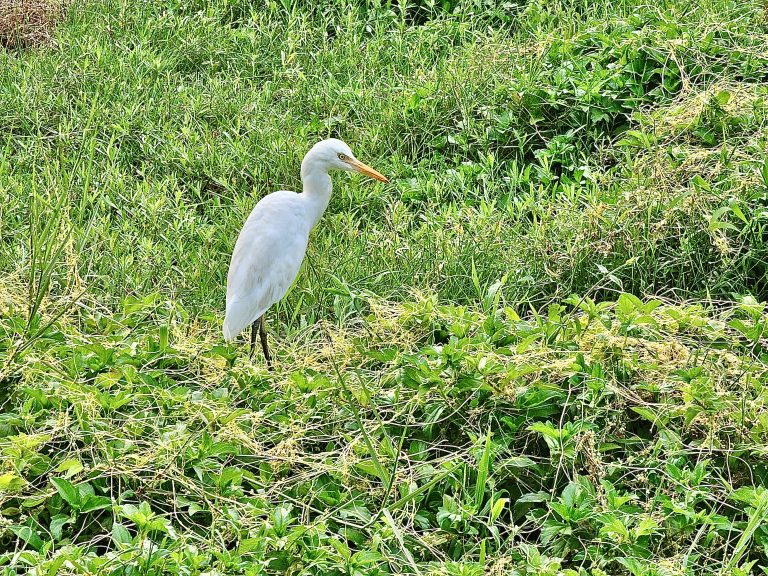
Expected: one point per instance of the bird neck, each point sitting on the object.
(317, 189)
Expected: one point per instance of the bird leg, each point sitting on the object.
(253, 337)
(262, 329)
(263, 336)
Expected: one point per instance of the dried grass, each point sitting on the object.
(29, 23)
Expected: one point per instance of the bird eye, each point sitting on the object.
(342, 156)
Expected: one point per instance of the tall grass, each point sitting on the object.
(539, 350)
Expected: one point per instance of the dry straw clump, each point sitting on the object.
(26, 23)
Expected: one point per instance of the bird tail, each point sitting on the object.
(230, 329)
(238, 317)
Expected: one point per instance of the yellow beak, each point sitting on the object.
(365, 169)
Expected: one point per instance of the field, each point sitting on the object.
(542, 349)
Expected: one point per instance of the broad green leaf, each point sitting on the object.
(158, 525)
(655, 419)
(135, 514)
(28, 535)
(645, 527)
(517, 462)
(68, 491)
(120, 534)
(233, 415)
(367, 466)
(634, 566)
(249, 545)
(365, 558)
(615, 529)
(91, 503)
(341, 548)
(58, 522)
(547, 430)
(722, 97)
(534, 497)
(750, 495)
(10, 482)
(69, 467)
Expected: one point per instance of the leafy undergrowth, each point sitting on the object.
(624, 437)
(536, 148)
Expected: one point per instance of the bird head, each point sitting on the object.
(334, 154)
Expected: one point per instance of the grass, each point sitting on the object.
(540, 350)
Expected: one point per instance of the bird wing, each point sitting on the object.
(266, 259)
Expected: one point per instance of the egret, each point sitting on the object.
(271, 246)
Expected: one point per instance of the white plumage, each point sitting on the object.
(271, 246)
(266, 260)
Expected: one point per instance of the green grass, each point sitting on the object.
(539, 351)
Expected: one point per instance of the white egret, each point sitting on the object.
(271, 246)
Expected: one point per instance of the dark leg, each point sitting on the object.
(263, 335)
(253, 337)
